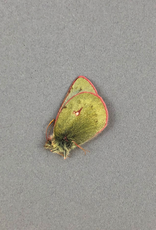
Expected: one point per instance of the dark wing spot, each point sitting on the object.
(80, 89)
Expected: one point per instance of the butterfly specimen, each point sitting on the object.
(82, 115)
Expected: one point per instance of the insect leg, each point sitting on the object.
(61, 154)
(66, 152)
(52, 121)
(80, 147)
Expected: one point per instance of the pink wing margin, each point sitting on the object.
(74, 95)
(89, 83)
(103, 105)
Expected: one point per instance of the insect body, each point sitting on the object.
(82, 115)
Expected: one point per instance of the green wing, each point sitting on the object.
(82, 117)
(81, 84)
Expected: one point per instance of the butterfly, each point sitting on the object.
(82, 115)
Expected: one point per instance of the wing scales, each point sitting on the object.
(91, 120)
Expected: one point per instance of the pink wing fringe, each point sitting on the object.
(96, 94)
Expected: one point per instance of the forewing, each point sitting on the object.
(82, 117)
(81, 84)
